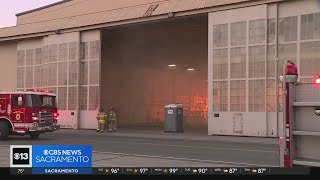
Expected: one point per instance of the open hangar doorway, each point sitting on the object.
(146, 66)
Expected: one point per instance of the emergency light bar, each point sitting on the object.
(38, 90)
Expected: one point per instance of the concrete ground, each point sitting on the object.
(143, 148)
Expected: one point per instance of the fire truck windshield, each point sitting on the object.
(41, 101)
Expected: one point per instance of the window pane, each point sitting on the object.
(63, 74)
(310, 59)
(21, 58)
(220, 35)
(53, 53)
(44, 75)
(63, 52)
(220, 64)
(93, 98)
(20, 77)
(38, 56)
(45, 55)
(94, 72)
(37, 76)
(220, 96)
(62, 98)
(53, 74)
(84, 72)
(238, 33)
(237, 63)
(72, 98)
(257, 95)
(257, 61)
(73, 73)
(83, 97)
(84, 49)
(94, 49)
(238, 96)
(288, 29)
(30, 57)
(271, 61)
(271, 31)
(257, 31)
(73, 51)
(29, 77)
(271, 95)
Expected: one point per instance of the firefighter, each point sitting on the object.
(101, 117)
(112, 117)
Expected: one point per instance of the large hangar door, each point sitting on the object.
(139, 78)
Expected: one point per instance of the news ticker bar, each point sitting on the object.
(161, 171)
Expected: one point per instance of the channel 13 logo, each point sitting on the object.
(20, 156)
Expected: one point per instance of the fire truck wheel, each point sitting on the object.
(34, 136)
(4, 130)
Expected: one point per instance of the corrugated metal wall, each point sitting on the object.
(136, 78)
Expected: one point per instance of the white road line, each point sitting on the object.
(187, 159)
(171, 145)
(187, 138)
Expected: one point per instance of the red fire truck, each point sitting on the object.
(30, 112)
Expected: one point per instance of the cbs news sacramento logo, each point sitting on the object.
(21, 156)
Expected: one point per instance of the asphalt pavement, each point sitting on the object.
(151, 148)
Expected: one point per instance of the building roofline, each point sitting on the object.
(42, 7)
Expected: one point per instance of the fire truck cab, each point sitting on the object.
(31, 112)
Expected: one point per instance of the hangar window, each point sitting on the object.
(310, 26)
(257, 31)
(83, 98)
(257, 95)
(45, 55)
(257, 61)
(84, 49)
(37, 76)
(53, 53)
(72, 98)
(220, 64)
(271, 57)
(73, 51)
(37, 56)
(63, 74)
(220, 35)
(272, 30)
(21, 58)
(238, 34)
(20, 77)
(53, 74)
(84, 73)
(44, 75)
(73, 73)
(271, 95)
(29, 77)
(62, 98)
(94, 49)
(238, 96)
(30, 57)
(94, 72)
(63, 52)
(310, 58)
(288, 29)
(220, 96)
(238, 62)
(93, 97)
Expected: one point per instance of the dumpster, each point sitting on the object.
(173, 118)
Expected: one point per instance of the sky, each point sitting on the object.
(9, 9)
